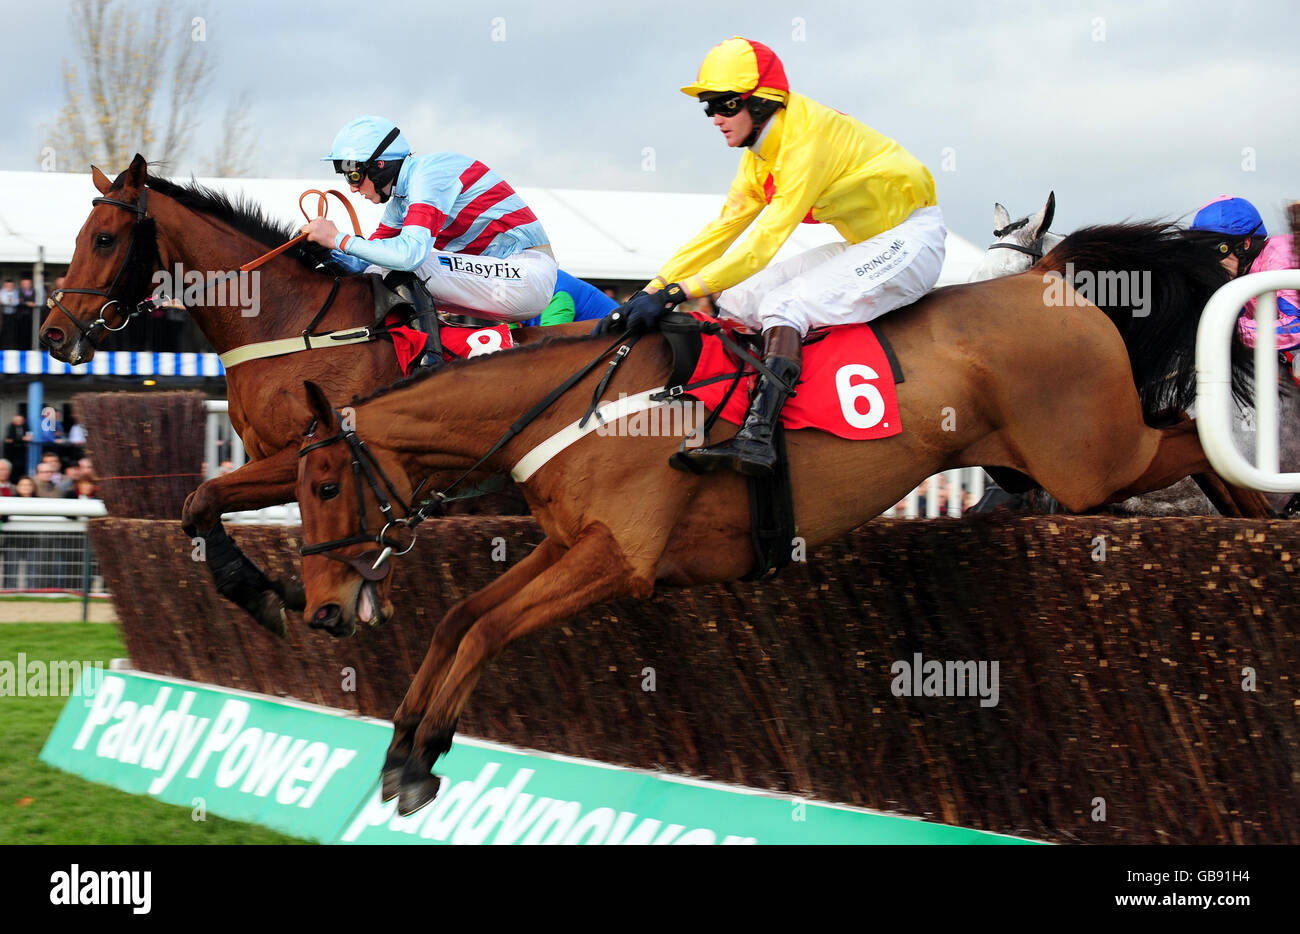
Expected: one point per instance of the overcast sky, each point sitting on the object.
(1127, 110)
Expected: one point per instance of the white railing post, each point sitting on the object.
(217, 410)
(1214, 405)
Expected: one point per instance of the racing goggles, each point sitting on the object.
(351, 170)
(726, 104)
(355, 172)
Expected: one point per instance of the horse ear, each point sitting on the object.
(1001, 217)
(1049, 210)
(137, 171)
(321, 409)
(102, 181)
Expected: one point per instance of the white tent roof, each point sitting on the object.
(595, 234)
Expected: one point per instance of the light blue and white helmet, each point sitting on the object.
(358, 141)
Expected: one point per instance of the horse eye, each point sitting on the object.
(329, 491)
(104, 239)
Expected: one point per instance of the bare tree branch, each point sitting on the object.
(235, 143)
(139, 81)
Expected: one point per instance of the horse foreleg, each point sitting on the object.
(255, 485)
(1179, 454)
(591, 571)
(1236, 501)
(442, 649)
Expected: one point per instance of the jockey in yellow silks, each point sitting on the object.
(803, 162)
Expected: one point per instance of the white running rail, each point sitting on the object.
(1214, 404)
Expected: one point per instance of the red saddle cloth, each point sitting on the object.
(456, 342)
(847, 386)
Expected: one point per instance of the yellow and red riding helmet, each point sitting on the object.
(741, 66)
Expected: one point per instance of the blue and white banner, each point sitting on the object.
(115, 363)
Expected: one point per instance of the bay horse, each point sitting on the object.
(1059, 392)
(1019, 244)
(142, 223)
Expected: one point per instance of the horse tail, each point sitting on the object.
(1152, 280)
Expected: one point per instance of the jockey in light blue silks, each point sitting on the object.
(450, 219)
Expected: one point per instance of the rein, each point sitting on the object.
(322, 211)
(365, 465)
(1028, 251)
(143, 237)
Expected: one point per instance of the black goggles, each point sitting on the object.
(351, 170)
(1239, 246)
(355, 171)
(728, 105)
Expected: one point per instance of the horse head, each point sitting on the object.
(111, 269)
(353, 496)
(1018, 244)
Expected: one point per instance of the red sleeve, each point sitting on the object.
(384, 232)
(424, 215)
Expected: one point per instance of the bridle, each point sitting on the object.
(143, 237)
(416, 511)
(1037, 254)
(364, 466)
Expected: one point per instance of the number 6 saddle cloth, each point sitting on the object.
(847, 386)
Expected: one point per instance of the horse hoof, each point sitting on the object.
(391, 783)
(415, 795)
(270, 615)
(292, 593)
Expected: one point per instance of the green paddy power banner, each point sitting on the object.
(313, 773)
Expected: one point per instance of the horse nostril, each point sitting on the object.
(328, 610)
(53, 335)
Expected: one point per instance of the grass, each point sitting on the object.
(40, 804)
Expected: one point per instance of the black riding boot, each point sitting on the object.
(751, 451)
(413, 291)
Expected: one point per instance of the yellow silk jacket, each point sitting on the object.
(815, 164)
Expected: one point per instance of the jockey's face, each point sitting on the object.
(1231, 263)
(365, 188)
(735, 129)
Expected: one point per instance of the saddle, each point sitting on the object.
(771, 500)
(398, 293)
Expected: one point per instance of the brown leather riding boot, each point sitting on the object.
(751, 451)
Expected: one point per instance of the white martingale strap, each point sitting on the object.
(608, 413)
(287, 345)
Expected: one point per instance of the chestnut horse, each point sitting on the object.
(1027, 383)
(143, 223)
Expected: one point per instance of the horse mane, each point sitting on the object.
(425, 375)
(240, 214)
(1160, 332)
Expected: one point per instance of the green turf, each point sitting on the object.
(40, 804)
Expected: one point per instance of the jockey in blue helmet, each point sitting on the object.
(450, 219)
(1246, 247)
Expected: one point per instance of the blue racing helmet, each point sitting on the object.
(364, 142)
(1235, 217)
(1238, 223)
(367, 139)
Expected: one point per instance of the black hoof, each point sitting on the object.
(391, 782)
(415, 795)
(292, 593)
(269, 614)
